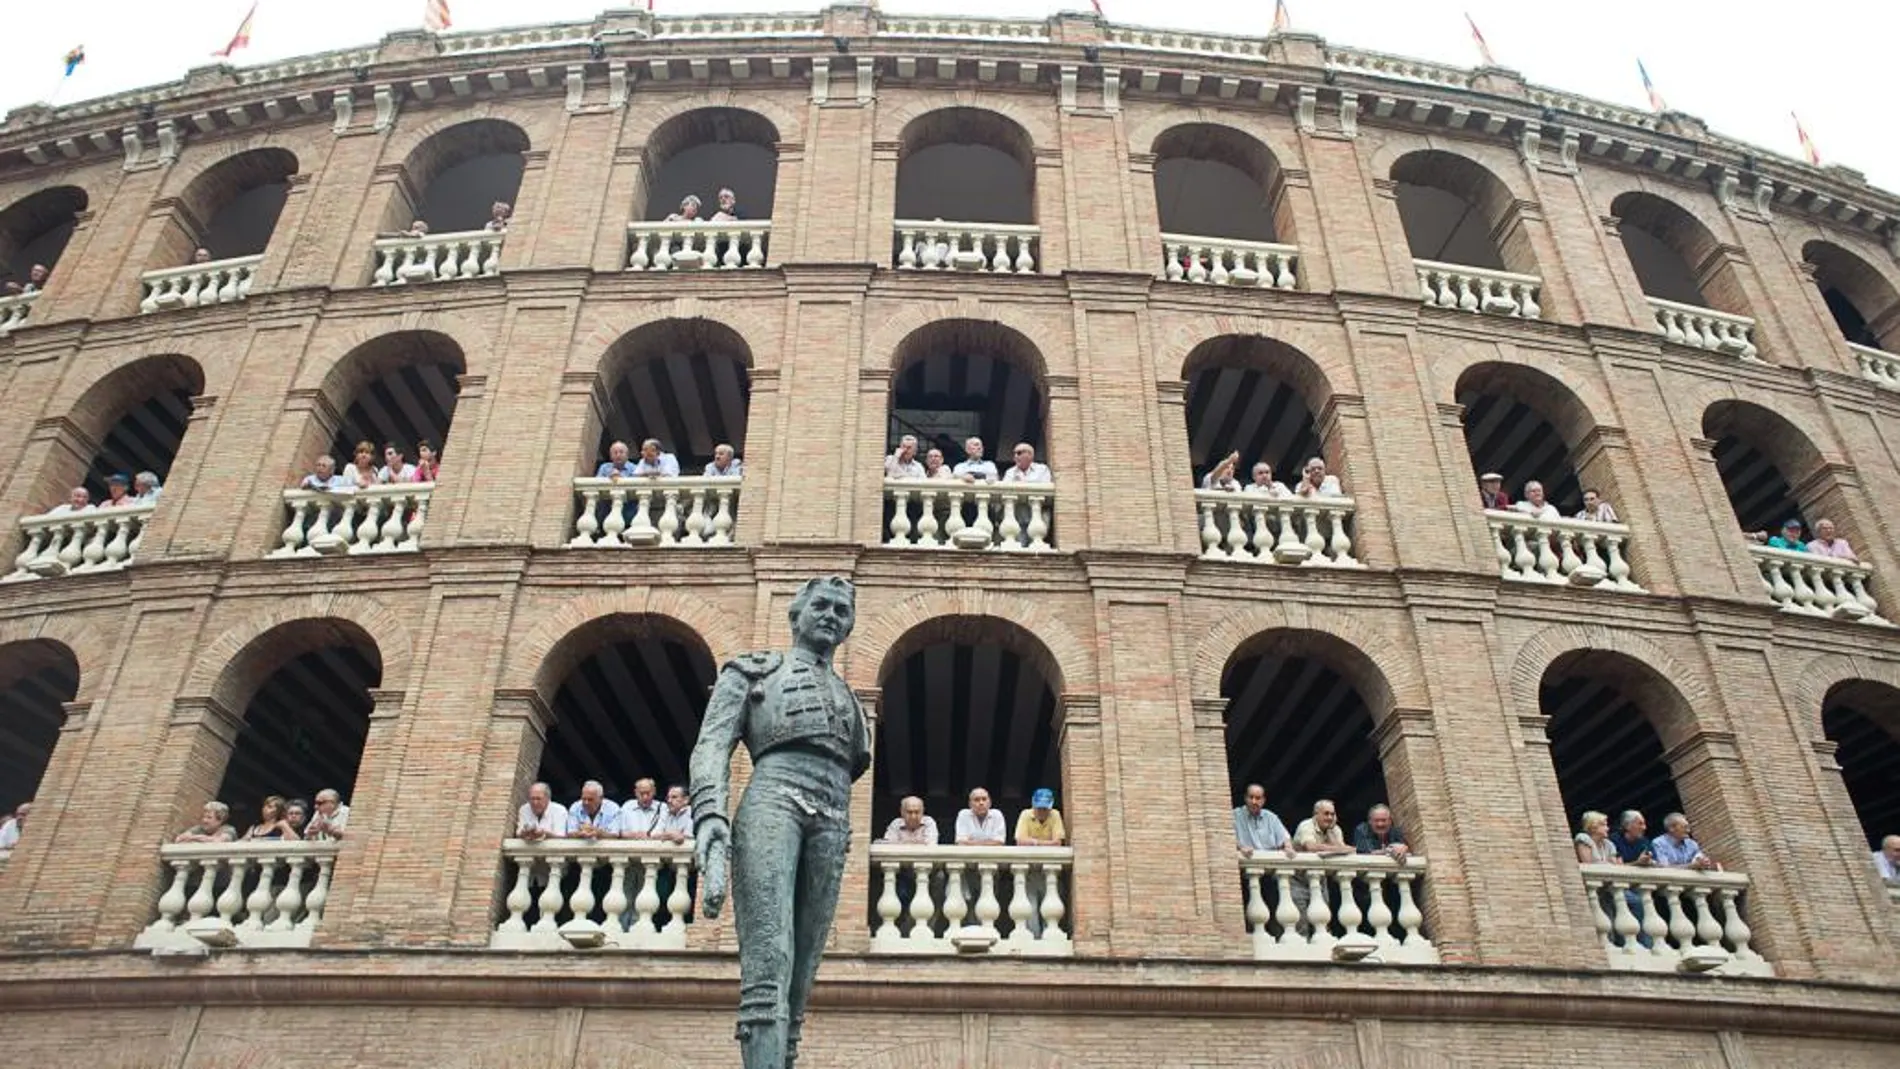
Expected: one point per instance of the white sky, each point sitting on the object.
(1741, 65)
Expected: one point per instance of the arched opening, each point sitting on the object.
(967, 165)
(399, 387)
(1603, 709)
(34, 230)
(304, 689)
(452, 180)
(1676, 258)
(1300, 709)
(1456, 211)
(1214, 181)
(1862, 718)
(1527, 426)
(702, 151)
(230, 209)
(958, 378)
(1763, 459)
(685, 382)
(1254, 396)
(132, 420)
(37, 678)
(1863, 303)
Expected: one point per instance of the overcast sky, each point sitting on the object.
(1741, 65)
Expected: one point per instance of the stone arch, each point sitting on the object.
(885, 341)
(90, 404)
(204, 161)
(761, 337)
(698, 150)
(449, 142)
(532, 662)
(1677, 696)
(1508, 402)
(1870, 298)
(1067, 663)
(1035, 123)
(967, 164)
(108, 396)
(31, 227)
(1694, 240)
(1819, 675)
(324, 366)
(231, 667)
(1578, 398)
(1319, 345)
(90, 648)
(249, 167)
(1006, 342)
(535, 125)
(1771, 467)
(1194, 155)
(655, 111)
(1268, 131)
(1387, 678)
(1461, 177)
(1288, 361)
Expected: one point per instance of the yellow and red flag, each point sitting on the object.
(241, 38)
(1807, 143)
(435, 16)
(1282, 22)
(1484, 50)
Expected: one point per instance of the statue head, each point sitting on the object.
(823, 613)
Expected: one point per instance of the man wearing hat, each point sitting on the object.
(1790, 536)
(118, 492)
(1491, 491)
(1039, 825)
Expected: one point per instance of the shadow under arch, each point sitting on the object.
(1769, 467)
(966, 164)
(36, 228)
(1455, 210)
(135, 417)
(698, 152)
(1216, 181)
(454, 175)
(1526, 424)
(685, 381)
(230, 208)
(401, 386)
(1675, 255)
(953, 378)
(37, 677)
(1258, 396)
(1862, 718)
(1865, 306)
(1611, 718)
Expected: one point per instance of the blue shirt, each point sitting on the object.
(1668, 854)
(666, 465)
(605, 820)
(609, 469)
(1630, 851)
(733, 470)
(1264, 832)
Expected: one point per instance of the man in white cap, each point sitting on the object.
(1491, 491)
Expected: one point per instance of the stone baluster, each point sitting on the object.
(955, 909)
(922, 909)
(616, 524)
(201, 902)
(1378, 913)
(927, 526)
(721, 530)
(258, 903)
(640, 531)
(1411, 920)
(1319, 914)
(1349, 914)
(900, 516)
(669, 525)
(290, 900)
(679, 900)
(518, 899)
(1038, 529)
(232, 899)
(171, 904)
(613, 905)
(907, 250)
(981, 523)
(987, 908)
(1287, 913)
(1020, 908)
(580, 904)
(319, 895)
(696, 518)
(646, 904)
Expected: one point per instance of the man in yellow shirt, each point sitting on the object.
(1039, 825)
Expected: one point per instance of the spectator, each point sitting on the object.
(1026, 469)
(724, 464)
(272, 823)
(1320, 833)
(641, 815)
(297, 812)
(362, 471)
(1827, 545)
(933, 465)
(36, 277)
(1534, 504)
(1314, 482)
(1257, 828)
(1595, 509)
(201, 255)
(1674, 849)
(593, 817)
(1041, 823)
(331, 819)
(417, 229)
(676, 824)
(146, 487)
(654, 464)
(10, 831)
(1789, 538)
(325, 477)
(913, 827)
(1632, 846)
(498, 214)
(1265, 483)
(688, 213)
(1886, 860)
(10, 288)
(1593, 842)
(616, 466)
(728, 207)
(78, 499)
(1221, 476)
(1378, 835)
(973, 468)
(211, 826)
(980, 825)
(541, 817)
(117, 496)
(428, 464)
(903, 464)
(395, 468)
(1491, 495)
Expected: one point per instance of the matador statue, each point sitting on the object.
(809, 741)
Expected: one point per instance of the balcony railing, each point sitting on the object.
(1573, 552)
(438, 257)
(1689, 919)
(574, 893)
(213, 282)
(1704, 328)
(951, 514)
(991, 248)
(1876, 366)
(998, 900)
(1479, 289)
(248, 894)
(80, 543)
(693, 511)
(14, 310)
(698, 245)
(1270, 530)
(1309, 908)
(1814, 585)
(375, 519)
(1226, 262)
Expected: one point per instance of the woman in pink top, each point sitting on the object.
(427, 463)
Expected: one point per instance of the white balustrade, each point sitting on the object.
(79, 543)
(574, 893)
(1301, 908)
(952, 514)
(1276, 530)
(678, 511)
(1479, 289)
(438, 257)
(1876, 366)
(1813, 585)
(260, 893)
(995, 900)
(1573, 552)
(1675, 912)
(698, 245)
(14, 310)
(1226, 262)
(963, 26)
(194, 285)
(375, 519)
(1704, 328)
(992, 248)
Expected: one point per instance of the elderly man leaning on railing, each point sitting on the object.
(1263, 521)
(392, 500)
(617, 507)
(1821, 576)
(78, 537)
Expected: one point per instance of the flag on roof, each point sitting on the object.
(1656, 103)
(1807, 143)
(435, 16)
(1484, 50)
(74, 59)
(1282, 22)
(242, 37)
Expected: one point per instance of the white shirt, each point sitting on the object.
(10, 835)
(1038, 472)
(666, 465)
(552, 821)
(1329, 487)
(733, 470)
(404, 474)
(671, 823)
(981, 470)
(635, 820)
(990, 830)
(1229, 484)
(339, 820)
(313, 481)
(1547, 512)
(1272, 488)
(1889, 872)
(1603, 514)
(901, 469)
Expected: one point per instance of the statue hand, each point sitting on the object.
(712, 849)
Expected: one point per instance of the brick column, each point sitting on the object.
(831, 425)
(850, 934)
(1173, 460)
(362, 854)
(1093, 899)
(1346, 442)
(55, 457)
(59, 787)
(1552, 839)
(54, 302)
(572, 433)
(1209, 795)
(571, 226)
